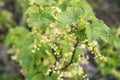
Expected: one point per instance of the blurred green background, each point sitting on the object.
(12, 16)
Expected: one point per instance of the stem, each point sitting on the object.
(71, 61)
(54, 54)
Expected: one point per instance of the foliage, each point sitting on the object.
(52, 50)
(11, 15)
(112, 52)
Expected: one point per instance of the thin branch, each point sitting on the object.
(54, 54)
(73, 54)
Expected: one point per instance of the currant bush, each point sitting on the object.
(52, 50)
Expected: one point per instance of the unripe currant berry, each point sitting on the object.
(90, 48)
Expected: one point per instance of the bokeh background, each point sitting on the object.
(12, 15)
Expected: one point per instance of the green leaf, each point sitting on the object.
(38, 77)
(32, 9)
(97, 30)
(78, 52)
(65, 47)
(25, 58)
(65, 4)
(54, 76)
(41, 20)
(105, 70)
(47, 78)
(85, 6)
(117, 43)
(82, 4)
(81, 34)
(16, 37)
(70, 16)
(44, 2)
